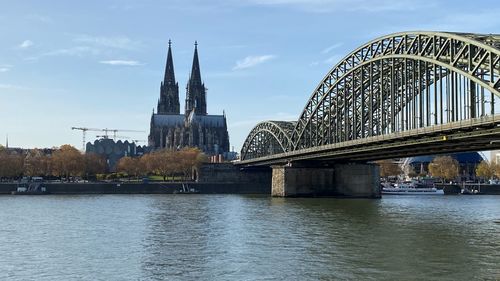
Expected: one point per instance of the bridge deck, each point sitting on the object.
(474, 134)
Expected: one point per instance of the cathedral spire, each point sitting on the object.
(169, 67)
(169, 89)
(196, 93)
(195, 69)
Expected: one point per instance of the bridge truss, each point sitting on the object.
(390, 87)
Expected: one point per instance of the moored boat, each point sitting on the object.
(30, 189)
(410, 189)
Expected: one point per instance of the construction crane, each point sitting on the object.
(84, 131)
(107, 137)
(106, 131)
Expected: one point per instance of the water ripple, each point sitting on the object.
(229, 237)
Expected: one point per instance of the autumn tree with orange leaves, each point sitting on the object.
(67, 161)
(132, 166)
(11, 164)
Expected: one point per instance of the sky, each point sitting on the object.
(99, 64)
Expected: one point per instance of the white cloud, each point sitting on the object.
(121, 62)
(332, 47)
(40, 18)
(5, 67)
(74, 51)
(252, 61)
(78, 51)
(12, 87)
(333, 60)
(120, 42)
(6, 86)
(26, 44)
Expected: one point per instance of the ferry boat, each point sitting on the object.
(30, 189)
(409, 188)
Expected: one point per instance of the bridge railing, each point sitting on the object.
(473, 122)
(435, 129)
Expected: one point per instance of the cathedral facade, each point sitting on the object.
(195, 128)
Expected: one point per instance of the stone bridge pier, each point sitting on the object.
(353, 180)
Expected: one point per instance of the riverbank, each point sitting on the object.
(147, 188)
(488, 189)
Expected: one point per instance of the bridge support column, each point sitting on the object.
(342, 180)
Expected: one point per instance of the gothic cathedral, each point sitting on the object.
(195, 128)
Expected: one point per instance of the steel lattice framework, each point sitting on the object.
(269, 137)
(394, 84)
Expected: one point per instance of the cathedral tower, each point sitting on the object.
(195, 91)
(169, 89)
(171, 130)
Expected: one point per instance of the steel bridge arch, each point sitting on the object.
(474, 56)
(278, 131)
(357, 98)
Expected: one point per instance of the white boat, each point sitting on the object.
(411, 189)
(30, 189)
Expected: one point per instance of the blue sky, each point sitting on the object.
(99, 64)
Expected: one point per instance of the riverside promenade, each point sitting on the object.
(146, 188)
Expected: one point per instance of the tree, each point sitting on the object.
(147, 163)
(190, 158)
(36, 163)
(165, 162)
(388, 168)
(485, 169)
(94, 164)
(495, 166)
(410, 171)
(67, 161)
(11, 164)
(444, 167)
(132, 166)
(172, 162)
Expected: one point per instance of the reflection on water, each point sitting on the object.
(230, 237)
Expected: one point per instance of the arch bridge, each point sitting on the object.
(404, 94)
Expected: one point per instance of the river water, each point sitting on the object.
(232, 237)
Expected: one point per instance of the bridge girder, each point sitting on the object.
(268, 136)
(397, 83)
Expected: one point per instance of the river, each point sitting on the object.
(233, 237)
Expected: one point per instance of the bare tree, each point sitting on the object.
(388, 168)
(36, 163)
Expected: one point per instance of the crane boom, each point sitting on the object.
(84, 131)
(119, 130)
(106, 131)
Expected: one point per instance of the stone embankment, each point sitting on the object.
(142, 188)
(213, 178)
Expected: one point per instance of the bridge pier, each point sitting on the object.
(342, 180)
